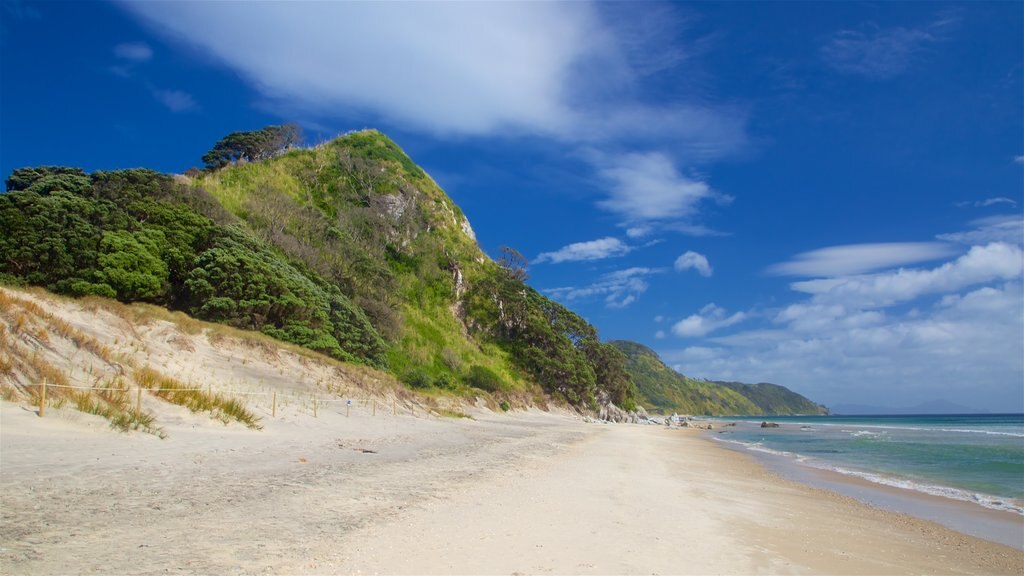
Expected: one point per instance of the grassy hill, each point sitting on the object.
(347, 248)
(662, 389)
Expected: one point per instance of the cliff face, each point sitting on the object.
(347, 248)
(661, 388)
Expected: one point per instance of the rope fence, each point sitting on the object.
(274, 395)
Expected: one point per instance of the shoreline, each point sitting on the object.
(525, 493)
(969, 518)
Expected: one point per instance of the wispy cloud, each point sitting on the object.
(953, 329)
(860, 258)
(565, 71)
(554, 69)
(134, 51)
(619, 289)
(881, 53)
(996, 261)
(20, 10)
(988, 202)
(315, 55)
(585, 251)
(175, 100)
(1007, 228)
(130, 55)
(964, 347)
(694, 261)
(1018, 159)
(709, 319)
(646, 189)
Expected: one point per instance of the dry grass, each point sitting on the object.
(112, 400)
(197, 400)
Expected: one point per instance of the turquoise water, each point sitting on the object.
(975, 458)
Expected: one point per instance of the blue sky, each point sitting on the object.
(822, 195)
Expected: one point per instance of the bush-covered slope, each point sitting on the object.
(661, 388)
(347, 248)
(775, 399)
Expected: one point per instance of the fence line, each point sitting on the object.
(317, 401)
(199, 389)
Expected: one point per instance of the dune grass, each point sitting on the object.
(197, 400)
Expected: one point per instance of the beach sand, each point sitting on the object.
(523, 493)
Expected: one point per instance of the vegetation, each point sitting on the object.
(775, 399)
(663, 389)
(347, 248)
(252, 146)
(137, 236)
(219, 406)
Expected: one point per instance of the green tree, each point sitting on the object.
(130, 263)
(252, 146)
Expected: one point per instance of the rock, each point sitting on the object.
(769, 425)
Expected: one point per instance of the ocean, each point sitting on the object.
(978, 459)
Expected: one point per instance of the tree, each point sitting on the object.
(252, 146)
(514, 263)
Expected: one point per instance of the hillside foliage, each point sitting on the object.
(347, 248)
(663, 389)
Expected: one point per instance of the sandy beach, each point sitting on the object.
(524, 493)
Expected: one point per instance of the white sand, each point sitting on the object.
(524, 493)
(529, 493)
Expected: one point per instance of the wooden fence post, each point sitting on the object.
(138, 400)
(42, 399)
(273, 407)
(314, 406)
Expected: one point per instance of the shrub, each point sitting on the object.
(485, 379)
(418, 378)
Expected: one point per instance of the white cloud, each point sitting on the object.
(967, 348)
(561, 70)
(882, 53)
(1008, 229)
(953, 331)
(1019, 159)
(586, 251)
(639, 231)
(860, 258)
(134, 51)
(646, 188)
(619, 289)
(175, 100)
(452, 68)
(709, 319)
(695, 261)
(989, 202)
(996, 261)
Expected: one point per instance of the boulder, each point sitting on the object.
(769, 425)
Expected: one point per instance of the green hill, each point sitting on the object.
(662, 389)
(775, 399)
(347, 248)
